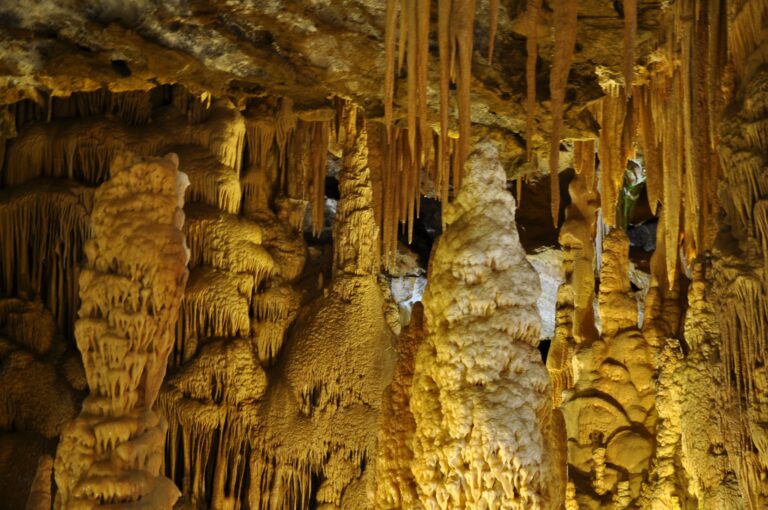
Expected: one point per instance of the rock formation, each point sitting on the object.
(480, 396)
(327, 148)
(130, 290)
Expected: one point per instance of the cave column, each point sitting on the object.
(130, 290)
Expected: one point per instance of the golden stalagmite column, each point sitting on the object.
(481, 396)
(130, 289)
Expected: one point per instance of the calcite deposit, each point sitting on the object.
(130, 291)
(480, 397)
(393, 254)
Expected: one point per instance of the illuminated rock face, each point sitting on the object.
(289, 385)
(740, 281)
(480, 397)
(130, 291)
(609, 411)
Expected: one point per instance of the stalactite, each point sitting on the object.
(82, 148)
(196, 108)
(652, 149)
(565, 15)
(630, 33)
(532, 13)
(201, 402)
(285, 124)
(455, 42)
(317, 168)
(389, 57)
(274, 310)
(422, 65)
(125, 340)
(739, 288)
(493, 23)
(211, 182)
(462, 24)
(612, 116)
(672, 182)
(446, 57)
(132, 107)
(746, 22)
(215, 304)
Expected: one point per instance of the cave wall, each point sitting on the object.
(290, 383)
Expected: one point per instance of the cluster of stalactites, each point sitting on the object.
(741, 263)
(671, 116)
(455, 41)
(130, 292)
(81, 148)
(289, 154)
(406, 176)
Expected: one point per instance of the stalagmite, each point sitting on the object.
(113, 451)
(704, 455)
(609, 413)
(396, 487)
(40, 494)
(575, 301)
(480, 395)
(356, 251)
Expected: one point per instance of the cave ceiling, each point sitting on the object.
(307, 51)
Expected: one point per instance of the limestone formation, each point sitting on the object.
(327, 149)
(395, 485)
(480, 396)
(130, 292)
(609, 413)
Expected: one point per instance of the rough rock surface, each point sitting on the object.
(480, 396)
(306, 51)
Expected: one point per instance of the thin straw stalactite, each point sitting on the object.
(494, 21)
(444, 45)
(566, 13)
(389, 76)
(630, 32)
(534, 8)
(462, 24)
